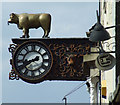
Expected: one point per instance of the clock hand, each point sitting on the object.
(35, 59)
(25, 63)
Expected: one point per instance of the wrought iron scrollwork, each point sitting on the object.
(109, 46)
(12, 48)
(13, 75)
(70, 58)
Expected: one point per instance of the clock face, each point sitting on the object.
(32, 60)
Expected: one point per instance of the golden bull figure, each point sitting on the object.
(26, 21)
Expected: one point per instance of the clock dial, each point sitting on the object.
(32, 60)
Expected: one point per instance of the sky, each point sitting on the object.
(69, 19)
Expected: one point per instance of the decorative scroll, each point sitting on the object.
(110, 46)
(13, 75)
(12, 48)
(69, 59)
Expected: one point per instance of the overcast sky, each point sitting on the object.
(69, 19)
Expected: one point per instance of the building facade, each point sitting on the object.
(110, 16)
(109, 11)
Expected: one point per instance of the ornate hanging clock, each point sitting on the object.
(32, 61)
(37, 60)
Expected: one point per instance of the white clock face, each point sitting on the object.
(36, 64)
(32, 60)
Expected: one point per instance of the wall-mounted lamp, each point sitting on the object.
(104, 61)
(99, 33)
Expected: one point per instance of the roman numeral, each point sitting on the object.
(45, 60)
(26, 71)
(33, 47)
(19, 61)
(44, 54)
(44, 67)
(32, 73)
(39, 49)
(21, 54)
(26, 48)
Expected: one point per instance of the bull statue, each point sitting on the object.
(26, 21)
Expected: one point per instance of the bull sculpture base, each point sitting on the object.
(26, 21)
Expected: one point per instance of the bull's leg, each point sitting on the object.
(25, 33)
(46, 32)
